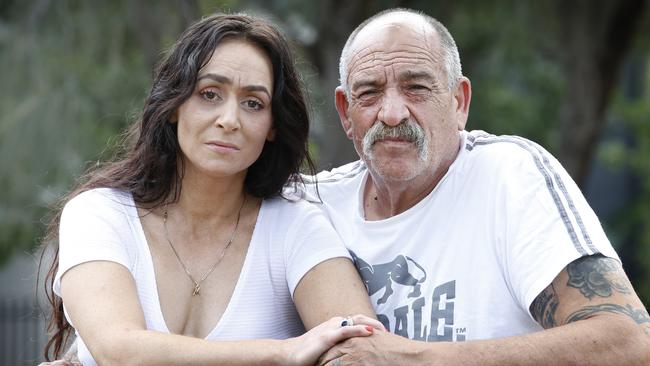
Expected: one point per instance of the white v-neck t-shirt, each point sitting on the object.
(289, 239)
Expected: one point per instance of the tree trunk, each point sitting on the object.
(338, 19)
(595, 38)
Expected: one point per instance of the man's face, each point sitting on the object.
(401, 114)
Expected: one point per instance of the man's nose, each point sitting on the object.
(228, 117)
(393, 109)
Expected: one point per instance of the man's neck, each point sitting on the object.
(384, 198)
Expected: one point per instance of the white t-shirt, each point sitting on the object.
(289, 239)
(467, 261)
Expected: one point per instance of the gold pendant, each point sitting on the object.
(197, 289)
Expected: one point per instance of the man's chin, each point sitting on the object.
(394, 168)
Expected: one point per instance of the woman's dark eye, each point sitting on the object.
(209, 95)
(254, 104)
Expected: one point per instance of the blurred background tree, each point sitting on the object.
(573, 76)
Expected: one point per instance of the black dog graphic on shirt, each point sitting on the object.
(379, 276)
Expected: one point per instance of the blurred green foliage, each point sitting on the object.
(517, 82)
(632, 223)
(74, 74)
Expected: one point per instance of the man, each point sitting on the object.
(464, 236)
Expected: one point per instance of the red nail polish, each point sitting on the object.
(369, 328)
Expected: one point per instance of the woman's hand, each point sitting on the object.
(306, 349)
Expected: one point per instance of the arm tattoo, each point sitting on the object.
(640, 316)
(544, 307)
(596, 275)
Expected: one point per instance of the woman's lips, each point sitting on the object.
(220, 146)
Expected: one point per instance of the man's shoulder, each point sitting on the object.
(482, 141)
(509, 159)
(502, 149)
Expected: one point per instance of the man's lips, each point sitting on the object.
(394, 140)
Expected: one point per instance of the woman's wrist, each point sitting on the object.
(284, 352)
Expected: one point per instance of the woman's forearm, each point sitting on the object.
(145, 347)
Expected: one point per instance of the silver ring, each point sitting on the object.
(347, 322)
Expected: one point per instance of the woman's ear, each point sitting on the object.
(271, 135)
(174, 117)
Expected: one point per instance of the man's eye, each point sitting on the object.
(418, 87)
(367, 94)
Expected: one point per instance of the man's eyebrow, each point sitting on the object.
(365, 82)
(224, 80)
(417, 75)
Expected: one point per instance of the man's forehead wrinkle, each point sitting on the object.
(423, 42)
(374, 59)
(415, 74)
(364, 78)
(420, 53)
(394, 41)
(355, 59)
(391, 62)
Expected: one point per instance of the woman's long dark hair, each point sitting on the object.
(149, 167)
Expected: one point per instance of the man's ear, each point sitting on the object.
(462, 98)
(342, 104)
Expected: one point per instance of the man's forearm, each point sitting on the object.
(604, 340)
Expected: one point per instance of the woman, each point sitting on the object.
(182, 249)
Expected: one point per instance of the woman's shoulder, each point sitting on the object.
(102, 194)
(99, 199)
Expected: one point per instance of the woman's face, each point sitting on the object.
(224, 124)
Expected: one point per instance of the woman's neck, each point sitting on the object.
(206, 198)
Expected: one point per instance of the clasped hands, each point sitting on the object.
(365, 342)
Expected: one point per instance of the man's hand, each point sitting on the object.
(382, 348)
(305, 350)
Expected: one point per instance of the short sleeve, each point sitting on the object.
(549, 224)
(92, 228)
(311, 239)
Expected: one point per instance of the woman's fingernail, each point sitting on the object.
(369, 328)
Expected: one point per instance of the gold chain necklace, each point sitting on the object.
(197, 284)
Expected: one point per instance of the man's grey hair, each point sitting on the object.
(450, 54)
